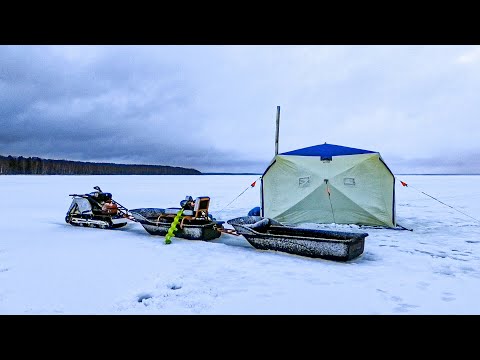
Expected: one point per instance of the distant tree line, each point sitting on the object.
(19, 165)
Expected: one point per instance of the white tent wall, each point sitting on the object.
(361, 188)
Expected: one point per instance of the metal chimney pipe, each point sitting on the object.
(276, 133)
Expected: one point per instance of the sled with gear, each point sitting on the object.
(97, 209)
(189, 221)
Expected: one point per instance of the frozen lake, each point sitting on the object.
(50, 267)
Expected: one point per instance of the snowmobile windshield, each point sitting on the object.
(83, 206)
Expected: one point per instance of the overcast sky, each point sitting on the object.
(213, 107)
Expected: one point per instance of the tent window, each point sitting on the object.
(326, 159)
(304, 181)
(349, 181)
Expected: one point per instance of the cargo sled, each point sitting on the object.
(268, 234)
(196, 223)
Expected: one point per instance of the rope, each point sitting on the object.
(330, 200)
(441, 202)
(251, 186)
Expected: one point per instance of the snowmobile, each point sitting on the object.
(97, 209)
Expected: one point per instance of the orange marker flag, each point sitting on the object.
(403, 183)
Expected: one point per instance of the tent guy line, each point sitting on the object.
(441, 202)
(251, 186)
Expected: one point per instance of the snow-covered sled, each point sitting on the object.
(268, 234)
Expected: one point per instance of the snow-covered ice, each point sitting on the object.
(50, 267)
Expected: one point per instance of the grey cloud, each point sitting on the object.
(213, 107)
(452, 162)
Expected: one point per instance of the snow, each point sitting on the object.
(50, 267)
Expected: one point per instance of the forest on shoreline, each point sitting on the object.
(19, 165)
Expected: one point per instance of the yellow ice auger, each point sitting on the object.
(173, 227)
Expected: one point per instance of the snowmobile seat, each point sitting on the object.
(101, 197)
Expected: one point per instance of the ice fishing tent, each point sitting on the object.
(329, 184)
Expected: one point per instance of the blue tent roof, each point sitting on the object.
(327, 151)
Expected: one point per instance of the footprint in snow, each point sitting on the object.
(447, 296)
(143, 296)
(402, 308)
(423, 285)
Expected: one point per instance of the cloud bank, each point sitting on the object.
(213, 108)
